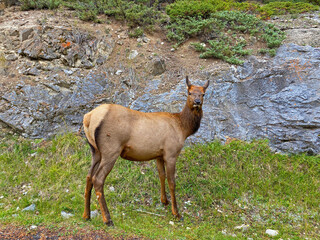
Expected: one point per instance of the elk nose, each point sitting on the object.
(197, 101)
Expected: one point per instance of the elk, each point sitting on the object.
(113, 130)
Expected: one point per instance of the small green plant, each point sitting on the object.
(3, 61)
(223, 50)
(107, 30)
(273, 36)
(136, 32)
(88, 15)
(271, 52)
(263, 51)
(199, 47)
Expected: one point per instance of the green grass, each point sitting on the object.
(219, 187)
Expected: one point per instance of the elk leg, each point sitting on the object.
(162, 176)
(171, 170)
(87, 195)
(98, 181)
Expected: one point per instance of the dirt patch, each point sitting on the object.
(44, 233)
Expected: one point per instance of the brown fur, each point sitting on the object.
(113, 131)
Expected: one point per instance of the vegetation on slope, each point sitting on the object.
(226, 29)
(227, 33)
(219, 188)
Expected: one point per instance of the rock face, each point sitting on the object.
(75, 48)
(304, 37)
(46, 109)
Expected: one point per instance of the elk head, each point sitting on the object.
(195, 95)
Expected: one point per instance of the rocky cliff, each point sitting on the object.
(53, 72)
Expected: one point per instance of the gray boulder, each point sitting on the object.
(157, 66)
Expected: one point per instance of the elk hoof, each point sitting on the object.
(165, 202)
(109, 224)
(179, 217)
(86, 217)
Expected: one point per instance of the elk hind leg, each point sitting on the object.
(96, 157)
(106, 165)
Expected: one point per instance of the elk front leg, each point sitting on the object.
(171, 170)
(162, 176)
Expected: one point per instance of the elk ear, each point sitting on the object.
(188, 82)
(206, 85)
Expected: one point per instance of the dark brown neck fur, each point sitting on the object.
(190, 119)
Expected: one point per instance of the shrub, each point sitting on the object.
(135, 13)
(182, 29)
(231, 28)
(140, 15)
(314, 2)
(185, 8)
(223, 49)
(272, 36)
(88, 15)
(238, 21)
(39, 4)
(135, 33)
(246, 7)
(280, 8)
(203, 8)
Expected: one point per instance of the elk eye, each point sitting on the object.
(203, 95)
(189, 93)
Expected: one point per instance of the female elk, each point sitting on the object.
(113, 131)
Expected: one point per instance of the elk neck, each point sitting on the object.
(190, 119)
